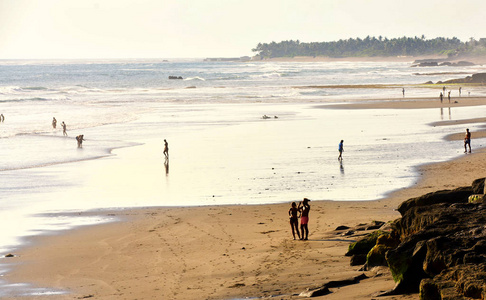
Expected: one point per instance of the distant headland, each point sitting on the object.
(452, 48)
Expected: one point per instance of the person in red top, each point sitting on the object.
(467, 141)
(304, 208)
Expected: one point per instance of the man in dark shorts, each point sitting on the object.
(304, 208)
(467, 141)
(166, 149)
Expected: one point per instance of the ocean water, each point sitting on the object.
(221, 149)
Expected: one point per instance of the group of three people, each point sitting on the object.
(302, 212)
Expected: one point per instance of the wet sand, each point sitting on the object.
(223, 252)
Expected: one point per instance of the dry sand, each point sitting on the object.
(222, 252)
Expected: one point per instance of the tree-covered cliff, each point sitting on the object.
(372, 46)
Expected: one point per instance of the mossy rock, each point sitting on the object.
(376, 256)
(364, 245)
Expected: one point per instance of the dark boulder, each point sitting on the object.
(441, 249)
(458, 195)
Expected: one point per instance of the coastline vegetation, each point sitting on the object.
(373, 47)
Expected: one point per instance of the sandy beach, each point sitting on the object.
(225, 252)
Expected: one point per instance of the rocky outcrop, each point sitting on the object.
(438, 246)
(440, 62)
(479, 78)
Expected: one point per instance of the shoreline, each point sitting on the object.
(221, 252)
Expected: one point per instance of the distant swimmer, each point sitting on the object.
(64, 129)
(467, 141)
(341, 149)
(166, 149)
(80, 139)
(54, 123)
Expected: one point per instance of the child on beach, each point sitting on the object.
(294, 219)
(304, 208)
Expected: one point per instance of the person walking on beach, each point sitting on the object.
(304, 209)
(341, 149)
(467, 141)
(54, 123)
(449, 96)
(166, 149)
(64, 129)
(403, 92)
(294, 219)
(441, 97)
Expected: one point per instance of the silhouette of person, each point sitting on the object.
(403, 92)
(341, 149)
(449, 96)
(460, 91)
(64, 129)
(441, 97)
(294, 219)
(80, 139)
(467, 141)
(304, 209)
(166, 149)
(54, 123)
(2, 118)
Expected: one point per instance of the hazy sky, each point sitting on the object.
(214, 28)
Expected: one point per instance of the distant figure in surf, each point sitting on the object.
(294, 219)
(2, 118)
(341, 149)
(449, 96)
(54, 123)
(467, 141)
(460, 91)
(403, 92)
(441, 97)
(64, 129)
(166, 149)
(80, 139)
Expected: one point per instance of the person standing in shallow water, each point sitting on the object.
(341, 149)
(294, 219)
(166, 149)
(64, 132)
(304, 209)
(467, 141)
(54, 123)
